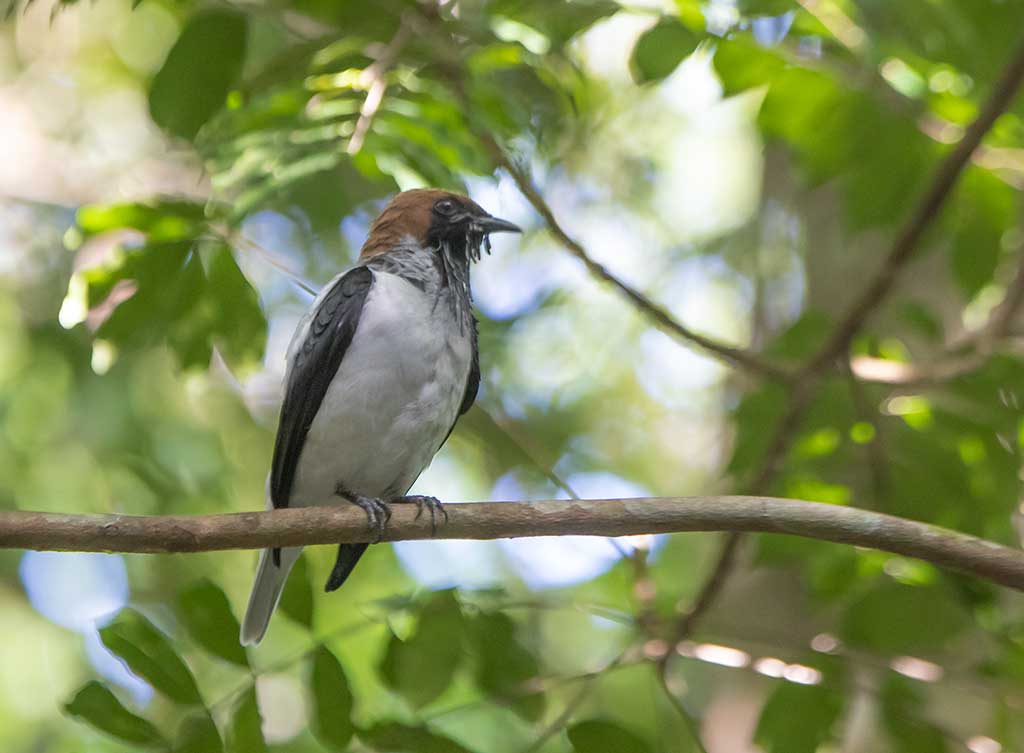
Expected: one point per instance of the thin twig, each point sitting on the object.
(374, 80)
(559, 722)
(954, 364)
(282, 664)
(711, 587)
(839, 25)
(269, 257)
(533, 688)
(689, 719)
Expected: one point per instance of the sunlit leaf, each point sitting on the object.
(557, 21)
(163, 221)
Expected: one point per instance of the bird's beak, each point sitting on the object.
(490, 224)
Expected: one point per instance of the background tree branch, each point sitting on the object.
(928, 208)
(807, 379)
(495, 520)
(738, 357)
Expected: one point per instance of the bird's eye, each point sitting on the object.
(445, 207)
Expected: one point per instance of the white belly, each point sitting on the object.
(394, 399)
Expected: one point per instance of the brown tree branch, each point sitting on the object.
(495, 520)
(963, 355)
(738, 357)
(924, 214)
(374, 80)
(881, 285)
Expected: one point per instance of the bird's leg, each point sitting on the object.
(377, 513)
(433, 504)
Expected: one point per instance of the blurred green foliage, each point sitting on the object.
(746, 164)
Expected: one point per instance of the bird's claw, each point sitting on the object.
(377, 512)
(433, 504)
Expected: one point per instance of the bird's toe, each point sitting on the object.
(431, 504)
(377, 512)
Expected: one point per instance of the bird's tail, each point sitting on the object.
(266, 592)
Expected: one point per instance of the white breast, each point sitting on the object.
(393, 400)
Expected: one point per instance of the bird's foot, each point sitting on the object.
(377, 513)
(433, 504)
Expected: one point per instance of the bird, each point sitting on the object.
(378, 372)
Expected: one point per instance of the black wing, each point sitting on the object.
(473, 381)
(316, 361)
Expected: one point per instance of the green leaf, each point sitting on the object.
(206, 614)
(903, 712)
(421, 668)
(247, 726)
(922, 320)
(558, 21)
(332, 698)
(897, 618)
(985, 208)
(661, 49)
(758, 411)
(200, 70)
(161, 292)
(691, 14)
(95, 705)
(168, 220)
(198, 734)
(766, 7)
(393, 737)
(505, 666)
(797, 718)
(601, 736)
(803, 338)
(149, 654)
(297, 599)
(240, 326)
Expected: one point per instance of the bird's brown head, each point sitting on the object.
(432, 218)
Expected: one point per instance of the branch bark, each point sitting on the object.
(43, 531)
